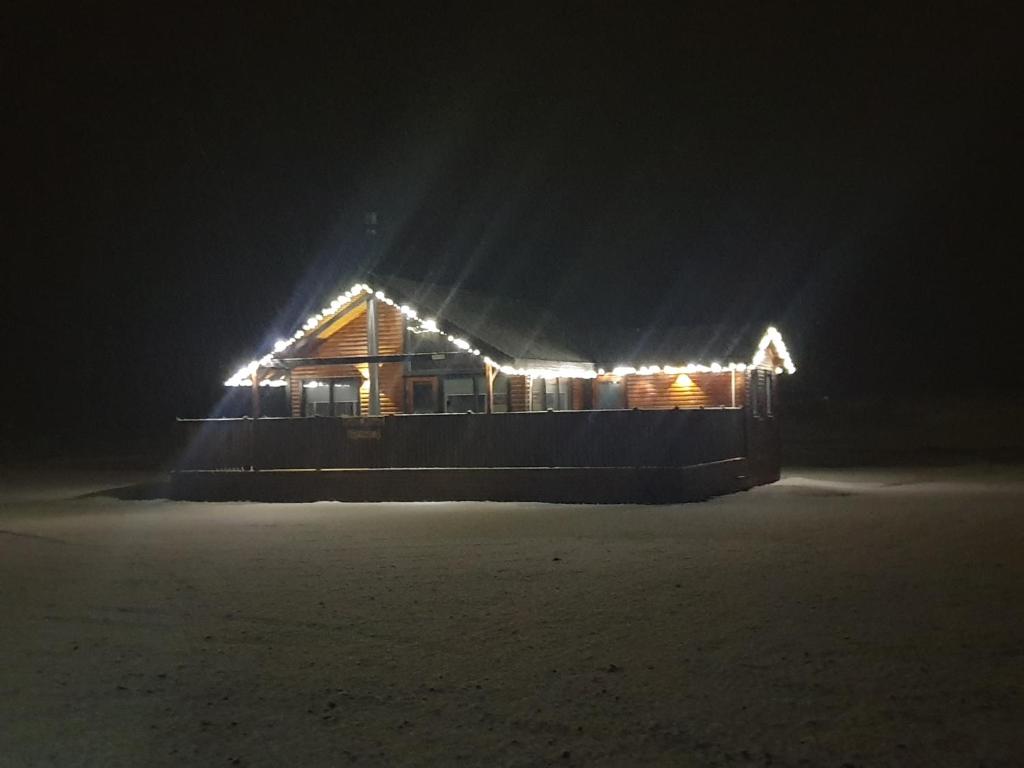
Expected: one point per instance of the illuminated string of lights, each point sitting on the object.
(774, 338)
(243, 376)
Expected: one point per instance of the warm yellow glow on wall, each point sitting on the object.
(682, 380)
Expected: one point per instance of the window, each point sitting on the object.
(549, 395)
(339, 397)
(536, 394)
(500, 389)
(465, 393)
(346, 397)
(317, 397)
(556, 394)
(610, 395)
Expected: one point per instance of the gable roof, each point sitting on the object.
(533, 342)
(512, 327)
(723, 343)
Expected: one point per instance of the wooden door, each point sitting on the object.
(421, 394)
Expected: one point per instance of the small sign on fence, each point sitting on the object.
(363, 434)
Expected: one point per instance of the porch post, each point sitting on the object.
(256, 394)
(490, 372)
(733, 387)
(371, 350)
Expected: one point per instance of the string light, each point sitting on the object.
(244, 376)
(774, 338)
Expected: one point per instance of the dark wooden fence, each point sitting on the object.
(553, 439)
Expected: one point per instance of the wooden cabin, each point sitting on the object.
(402, 391)
(405, 348)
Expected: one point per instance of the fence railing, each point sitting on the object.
(673, 438)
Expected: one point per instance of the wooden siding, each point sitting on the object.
(741, 389)
(392, 390)
(577, 399)
(350, 340)
(295, 393)
(662, 391)
(518, 393)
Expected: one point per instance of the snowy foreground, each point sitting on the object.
(864, 618)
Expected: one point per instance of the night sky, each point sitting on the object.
(187, 186)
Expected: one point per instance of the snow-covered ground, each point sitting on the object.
(865, 618)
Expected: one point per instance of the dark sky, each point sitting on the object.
(186, 185)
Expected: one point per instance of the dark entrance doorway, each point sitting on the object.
(421, 394)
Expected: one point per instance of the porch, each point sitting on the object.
(595, 456)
